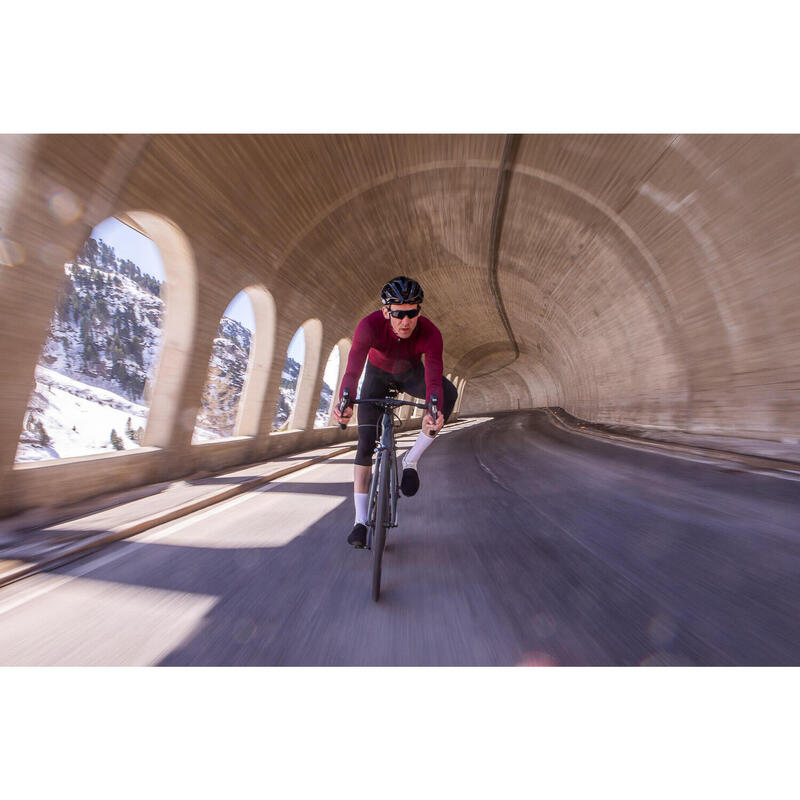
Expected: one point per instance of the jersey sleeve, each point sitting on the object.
(362, 341)
(433, 365)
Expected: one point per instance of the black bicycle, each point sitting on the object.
(385, 486)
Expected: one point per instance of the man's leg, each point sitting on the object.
(362, 477)
(374, 386)
(414, 384)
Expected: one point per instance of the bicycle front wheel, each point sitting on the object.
(381, 517)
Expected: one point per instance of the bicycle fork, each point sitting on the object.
(384, 446)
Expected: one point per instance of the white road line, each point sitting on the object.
(144, 538)
(96, 563)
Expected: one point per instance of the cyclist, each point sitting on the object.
(393, 340)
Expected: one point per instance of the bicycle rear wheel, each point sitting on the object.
(381, 516)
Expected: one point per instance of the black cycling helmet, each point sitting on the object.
(401, 290)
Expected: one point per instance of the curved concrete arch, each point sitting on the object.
(344, 344)
(377, 182)
(665, 302)
(180, 310)
(342, 349)
(665, 305)
(300, 418)
(554, 326)
(586, 354)
(643, 269)
(462, 385)
(516, 386)
(660, 297)
(477, 398)
(258, 366)
(543, 387)
(650, 279)
(502, 390)
(644, 276)
(376, 251)
(462, 382)
(475, 360)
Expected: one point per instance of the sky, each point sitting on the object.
(131, 244)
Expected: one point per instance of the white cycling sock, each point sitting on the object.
(360, 501)
(417, 449)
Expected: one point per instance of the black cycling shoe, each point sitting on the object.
(358, 536)
(409, 483)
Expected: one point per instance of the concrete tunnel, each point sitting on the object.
(645, 280)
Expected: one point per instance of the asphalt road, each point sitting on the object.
(526, 544)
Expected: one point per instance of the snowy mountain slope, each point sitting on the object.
(77, 419)
(105, 331)
(102, 349)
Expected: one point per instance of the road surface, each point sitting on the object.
(526, 544)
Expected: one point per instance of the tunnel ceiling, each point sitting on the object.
(648, 279)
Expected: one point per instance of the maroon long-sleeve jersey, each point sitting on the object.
(374, 338)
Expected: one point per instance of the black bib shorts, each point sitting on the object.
(376, 384)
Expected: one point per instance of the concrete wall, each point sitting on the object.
(652, 280)
(648, 280)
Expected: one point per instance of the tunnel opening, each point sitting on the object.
(290, 374)
(227, 372)
(298, 378)
(329, 386)
(93, 381)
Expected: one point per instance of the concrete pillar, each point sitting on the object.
(301, 417)
(261, 351)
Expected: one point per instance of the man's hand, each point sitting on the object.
(342, 418)
(428, 425)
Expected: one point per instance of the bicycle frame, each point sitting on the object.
(383, 487)
(386, 444)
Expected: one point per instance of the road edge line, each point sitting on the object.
(656, 445)
(129, 529)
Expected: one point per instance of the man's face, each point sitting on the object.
(402, 327)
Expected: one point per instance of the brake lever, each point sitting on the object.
(343, 403)
(434, 412)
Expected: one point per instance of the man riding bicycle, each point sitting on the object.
(393, 340)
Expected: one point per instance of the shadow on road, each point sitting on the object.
(523, 546)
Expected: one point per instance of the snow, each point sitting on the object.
(78, 406)
(91, 411)
(61, 351)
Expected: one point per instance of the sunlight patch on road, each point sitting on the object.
(99, 622)
(286, 516)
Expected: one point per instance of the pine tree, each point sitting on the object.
(44, 437)
(129, 432)
(116, 440)
(108, 258)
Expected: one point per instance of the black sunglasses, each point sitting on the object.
(400, 314)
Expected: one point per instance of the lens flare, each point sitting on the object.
(11, 254)
(65, 206)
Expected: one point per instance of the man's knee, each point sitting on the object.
(364, 456)
(366, 447)
(450, 397)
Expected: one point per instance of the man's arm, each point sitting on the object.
(362, 341)
(433, 364)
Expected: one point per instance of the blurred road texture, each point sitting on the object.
(526, 545)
